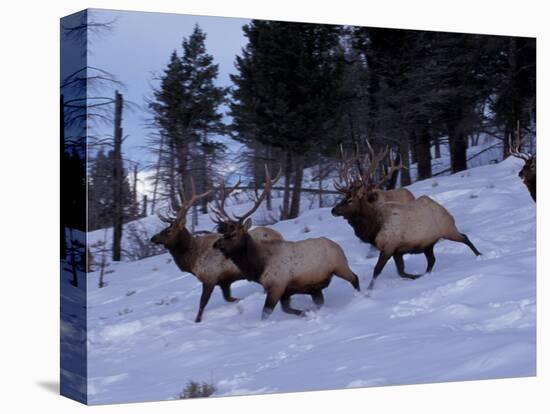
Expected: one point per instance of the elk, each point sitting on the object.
(529, 171)
(367, 176)
(284, 268)
(396, 228)
(194, 253)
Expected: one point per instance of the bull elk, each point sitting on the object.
(396, 228)
(195, 254)
(367, 170)
(528, 173)
(284, 268)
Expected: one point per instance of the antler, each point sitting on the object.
(344, 173)
(389, 173)
(220, 213)
(514, 150)
(374, 160)
(186, 204)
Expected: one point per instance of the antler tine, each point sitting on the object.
(186, 204)
(164, 218)
(267, 188)
(514, 150)
(373, 164)
(390, 172)
(343, 173)
(219, 210)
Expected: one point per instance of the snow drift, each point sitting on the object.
(472, 318)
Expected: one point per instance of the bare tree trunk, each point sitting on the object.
(286, 192)
(144, 206)
(118, 178)
(172, 180)
(393, 179)
(412, 139)
(404, 155)
(423, 154)
(157, 175)
(297, 187)
(134, 184)
(437, 148)
(103, 263)
(458, 146)
(321, 175)
(268, 158)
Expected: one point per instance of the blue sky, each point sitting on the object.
(140, 46)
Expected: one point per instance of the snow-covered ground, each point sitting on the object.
(472, 318)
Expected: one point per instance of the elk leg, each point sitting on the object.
(205, 297)
(318, 298)
(273, 296)
(226, 291)
(400, 264)
(285, 305)
(468, 243)
(382, 260)
(430, 257)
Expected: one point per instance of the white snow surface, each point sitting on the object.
(472, 318)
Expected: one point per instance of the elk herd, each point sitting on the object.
(393, 221)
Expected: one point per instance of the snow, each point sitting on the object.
(471, 318)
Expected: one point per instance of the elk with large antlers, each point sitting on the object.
(195, 254)
(284, 268)
(396, 228)
(366, 178)
(529, 171)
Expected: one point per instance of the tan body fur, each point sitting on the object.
(195, 254)
(303, 266)
(397, 228)
(285, 268)
(413, 226)
(210, 266)
(400, 195)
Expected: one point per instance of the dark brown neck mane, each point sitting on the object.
(249, 259)
(366, 223)
(531, 184)
(184, 252)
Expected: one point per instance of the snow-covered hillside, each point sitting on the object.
(472, 318)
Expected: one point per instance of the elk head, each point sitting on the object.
(364, 187)
(171, 235)
(528, 173)
(234, 229)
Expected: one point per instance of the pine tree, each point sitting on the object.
(186, 113)
(287, 93)
(100, 193)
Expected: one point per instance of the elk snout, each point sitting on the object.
(156, 239)
(336, 211)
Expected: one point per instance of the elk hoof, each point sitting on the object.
(266, 313)
(410, 276)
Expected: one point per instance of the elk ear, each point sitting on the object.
(247, 224)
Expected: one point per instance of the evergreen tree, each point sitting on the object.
(100, 193)
(287, 93)
(186, 113)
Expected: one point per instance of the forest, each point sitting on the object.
(303, 95)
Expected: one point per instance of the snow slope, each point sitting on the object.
(472, 318)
